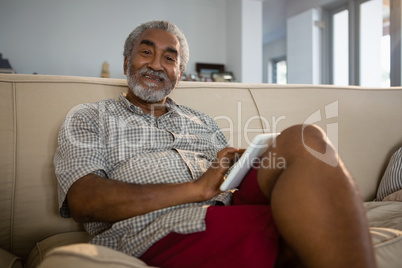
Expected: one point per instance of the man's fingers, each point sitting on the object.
(227, 157)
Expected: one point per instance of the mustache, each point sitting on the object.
(159, 74)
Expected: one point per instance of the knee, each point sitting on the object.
(305, 131)
(299, 137)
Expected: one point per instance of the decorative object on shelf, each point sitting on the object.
(5, 66)
(105, 70)
(222, 77)
(209, 72)
(205, 70)
(190, 77)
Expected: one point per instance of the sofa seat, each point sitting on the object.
(89, 256)
(69, 250)
(385, 220)
(386, 214)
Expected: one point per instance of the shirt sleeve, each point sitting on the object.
(79, 152)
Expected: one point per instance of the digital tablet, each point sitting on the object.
(259, 144)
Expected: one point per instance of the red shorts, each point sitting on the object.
(241, 235)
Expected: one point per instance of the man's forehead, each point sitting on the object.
(159, 37)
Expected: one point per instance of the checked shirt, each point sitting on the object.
(116, 140)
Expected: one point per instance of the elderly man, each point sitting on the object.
(143, 175)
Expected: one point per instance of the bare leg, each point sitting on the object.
(316, 206)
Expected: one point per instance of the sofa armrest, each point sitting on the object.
(43, 247)
(9, 260)
(89, 256)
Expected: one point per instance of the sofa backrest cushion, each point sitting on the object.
(36, 108)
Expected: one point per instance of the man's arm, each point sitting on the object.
(93, 198)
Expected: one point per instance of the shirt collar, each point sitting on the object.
(170, 105)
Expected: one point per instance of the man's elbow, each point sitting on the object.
(79, 205)
(81, 218)
(77, 210)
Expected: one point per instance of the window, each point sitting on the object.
(359, 44)
(279, 71)
(340, 45)
(386, 46)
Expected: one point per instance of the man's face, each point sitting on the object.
(153, 69)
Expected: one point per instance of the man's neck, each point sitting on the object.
(156, 109)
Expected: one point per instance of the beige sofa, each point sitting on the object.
(364, 123)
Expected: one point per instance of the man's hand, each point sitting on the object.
(211, 180)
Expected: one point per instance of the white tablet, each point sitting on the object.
(259, 144)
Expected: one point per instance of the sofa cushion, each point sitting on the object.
(89, 256)
(9, 260)
(391, 181)
(397, 196)
(385, 219)
(385, 214)
(388, 246)
(7, 164)
(43, 247)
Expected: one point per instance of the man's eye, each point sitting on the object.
(146, 52)
(170, 59)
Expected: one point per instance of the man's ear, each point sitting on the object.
(181, 74)
(125, 65)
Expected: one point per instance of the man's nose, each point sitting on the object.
(156, 63)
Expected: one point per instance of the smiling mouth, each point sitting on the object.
(153, 78)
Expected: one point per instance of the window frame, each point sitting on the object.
(353, 6)
(274, 69)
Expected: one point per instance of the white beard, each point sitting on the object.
(148, 93)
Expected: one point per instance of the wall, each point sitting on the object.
(294, 7)
(251, 41)
(244, 40)
(233, 37)
(276, 13)
(74, 37)
(303, 48)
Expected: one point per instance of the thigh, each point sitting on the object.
(249, 192)
(235, 236)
